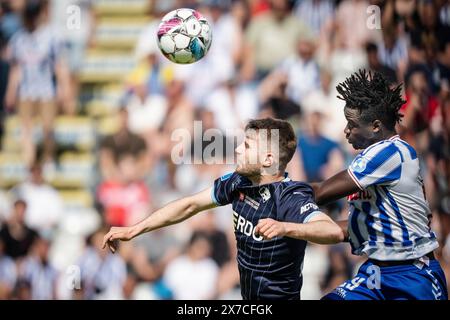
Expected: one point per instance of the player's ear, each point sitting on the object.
(268, 160)
(376, 126)
(270, 163)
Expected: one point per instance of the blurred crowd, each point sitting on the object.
(276, 58)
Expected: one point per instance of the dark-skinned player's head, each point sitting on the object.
(371, 108)
(268, 147)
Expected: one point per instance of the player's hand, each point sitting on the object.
(269, 229)
(117, 233)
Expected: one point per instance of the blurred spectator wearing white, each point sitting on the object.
(194, 274)
(36, 54)
(44, 204)
(76, 37)
(16, 236)
(232, 105)
(39, 272)
(302, 71)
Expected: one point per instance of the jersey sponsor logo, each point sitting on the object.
(265, 194)
(360, 195)
(308, 206)
(244, 226)
(359, 165)
(251, 202)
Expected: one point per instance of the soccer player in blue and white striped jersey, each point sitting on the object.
(273, 216)
(389, 219)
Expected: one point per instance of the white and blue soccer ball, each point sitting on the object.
(184, 36)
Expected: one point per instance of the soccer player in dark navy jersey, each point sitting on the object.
(264, 203)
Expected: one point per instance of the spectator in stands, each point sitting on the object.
(36, 57)
(103, 273)
(8, 273)
(16, 236)
(321, 157)
(10, 11)
(125, 199)
(44, 204)
(315, 13)
(270, 38)
(76, 38)
(122, 143)
(194, 274)
(419, 110)
(4, 72)
(393, 50)
(232, 105)
(376, 65)
(302, 71)
(351, 24)
(37, 270)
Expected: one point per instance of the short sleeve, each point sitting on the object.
(224, 187)
(297, 204)
(379, 165)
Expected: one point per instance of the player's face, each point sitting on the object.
(247, 154)
(359, 134)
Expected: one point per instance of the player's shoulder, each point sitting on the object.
(384, 148)
(298, 189)
(234, 178)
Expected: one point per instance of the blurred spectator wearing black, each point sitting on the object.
(37, 60)
(419, 110)
(339, 270)
(16, 236)
(122, 143)
(376, 65)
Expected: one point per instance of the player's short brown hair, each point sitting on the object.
(287, 140)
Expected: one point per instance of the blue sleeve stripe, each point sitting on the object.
(378, 160)
(213, 197)
(311, 215)
(411, 150)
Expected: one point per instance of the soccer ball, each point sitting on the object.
(184, 36)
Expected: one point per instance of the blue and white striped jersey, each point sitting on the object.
(389, 217)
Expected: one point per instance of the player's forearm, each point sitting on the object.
(321, 232)
(172, 213)
(334, 188)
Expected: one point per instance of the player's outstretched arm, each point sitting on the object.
(172, 213)
(319, 229)
(334, 188)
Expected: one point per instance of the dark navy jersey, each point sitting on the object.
(269, 269)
